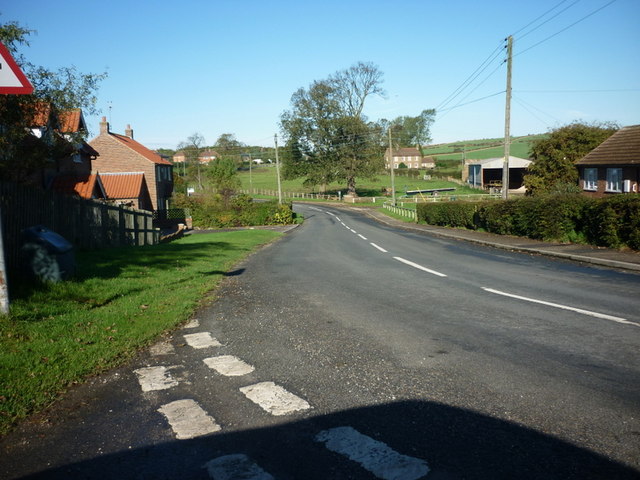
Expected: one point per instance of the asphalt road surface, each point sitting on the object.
(349, 349)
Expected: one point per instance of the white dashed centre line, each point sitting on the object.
(376, 457)
(228, 365)
(201, 340)
(564, 307)
(188, 419)
(378, 247)
(362, 237)
(274, 399)
(420, 267)
(234, 467)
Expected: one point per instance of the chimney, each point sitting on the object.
(128, 132)
(104, 126)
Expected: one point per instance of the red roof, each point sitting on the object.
(140, 149)
(71, 121)
(123, 185)
(80, 185)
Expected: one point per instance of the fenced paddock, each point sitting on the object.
(87, 224)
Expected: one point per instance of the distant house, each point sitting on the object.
(208, 156)
(128, 189)
(122, 154)
(410, 157)
(613, 166)
(488, 173)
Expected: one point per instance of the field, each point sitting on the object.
(448, 158)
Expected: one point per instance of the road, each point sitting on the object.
(349, 349)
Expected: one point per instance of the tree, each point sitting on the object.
(327, 137)
(414, 131)
(224, 177)
(553, 168)
(54, 92)
(192, 148)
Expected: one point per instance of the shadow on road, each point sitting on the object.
(455, 443)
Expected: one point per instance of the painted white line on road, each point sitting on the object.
(352, 230)
(274, 399)
(234, 467)
(362, 237)
(376, 457)
(201, 340)
(378, 247)
(338, 219)
(228, 365)
(188, 419)
(419, 267)
(314, 208)
(564, 307)
(155, 378)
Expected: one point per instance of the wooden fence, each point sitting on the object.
(86, 224)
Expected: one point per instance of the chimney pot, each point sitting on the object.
(129, 132)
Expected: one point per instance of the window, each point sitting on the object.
(590, 179)
(614, 180)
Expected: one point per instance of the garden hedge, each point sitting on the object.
(610, 222)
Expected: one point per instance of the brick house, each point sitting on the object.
(122, 154)
(613, 166)
(411, 157)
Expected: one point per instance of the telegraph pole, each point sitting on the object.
(507, 123)
(275, 138)
(393, 180)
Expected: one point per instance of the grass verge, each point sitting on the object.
(120, 301)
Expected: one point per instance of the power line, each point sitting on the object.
(566, 28)
(547, 20)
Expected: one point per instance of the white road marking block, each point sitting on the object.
(362, 236)
(188, 419)
(201, 340)
(228, 365)
(376, 457)
(419, 267)
(235, 467)
(274, 399)
(155, 378)
(564, 307)
(378, 247)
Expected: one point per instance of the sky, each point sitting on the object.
(211, 67)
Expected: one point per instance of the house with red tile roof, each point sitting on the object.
(87, 186)
(128, 189)
(613, 166)
(122, 154)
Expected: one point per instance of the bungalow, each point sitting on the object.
(613, 166)
(122, 154)
(128, 189)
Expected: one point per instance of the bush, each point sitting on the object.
(610, 222)
(213, 211)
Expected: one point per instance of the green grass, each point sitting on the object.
(120, 302)
(264, 178)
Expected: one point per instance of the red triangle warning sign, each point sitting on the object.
(12, 80)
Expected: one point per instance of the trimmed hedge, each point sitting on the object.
(610, 222)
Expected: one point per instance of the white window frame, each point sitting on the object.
(590, 179)
(614, 180)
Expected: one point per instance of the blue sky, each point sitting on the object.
(222, 66)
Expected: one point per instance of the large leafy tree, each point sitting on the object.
(553, 168)
(327, 137)
(192, 148)
(54, 92)
(412, 131)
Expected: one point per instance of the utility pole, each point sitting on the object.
(275, 138)
(393, 180)
(507, 123)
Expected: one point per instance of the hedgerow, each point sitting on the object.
(610, 222)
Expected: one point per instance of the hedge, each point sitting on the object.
(610, 222)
